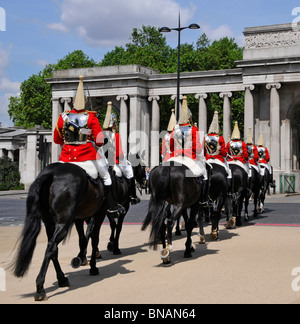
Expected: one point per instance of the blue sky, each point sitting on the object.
(39, 32)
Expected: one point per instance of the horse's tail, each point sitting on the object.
(32, 226)
(156, 209)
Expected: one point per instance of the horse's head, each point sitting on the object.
(139, 168)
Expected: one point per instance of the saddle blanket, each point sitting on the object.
(240, 164)
(196, 167)
(90, 167)
(216, 161)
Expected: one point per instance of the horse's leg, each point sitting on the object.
(113, 226)
(215, 220)
(201, 226)
(255, 200)
(83, 242)
(246, 207)
(116, 249)
(99, 218)
(190, 221)
(60, 233)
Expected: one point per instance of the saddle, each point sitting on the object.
(195, 167)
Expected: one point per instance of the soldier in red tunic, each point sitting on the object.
(237, 149)
(75, 131)
(114, 152)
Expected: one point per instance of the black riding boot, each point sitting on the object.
(114, 209)
(132, 192)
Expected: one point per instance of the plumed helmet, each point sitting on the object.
(250, 137)
(185, 113)
(110, 117)
(172, 122)
(214, 126)
(236, 135)
(261, 141)
(80, 100)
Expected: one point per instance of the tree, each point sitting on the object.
(9, 175)
(34, 106)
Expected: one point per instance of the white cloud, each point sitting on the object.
(8, 86)
(110, 23)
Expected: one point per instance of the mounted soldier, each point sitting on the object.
(166, 151)
(215, 148)
(186, 146)
(76, 130)
(114, 152)
(264, 159)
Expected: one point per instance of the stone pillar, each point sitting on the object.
(202, 122)
(66, 103)
(274, 124)
(123, 122)
(226, 114)
(134, 125)
(56, 111)
(10, 154)
(249, 111)
(155, 125)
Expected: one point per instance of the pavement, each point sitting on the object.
(250, 264)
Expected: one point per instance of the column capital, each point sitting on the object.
(152, 98)
(65, 100)
(174, 96)
(124, 97)
(201, 95)
(249, 87)
(276, 85)
(226, 94)
(55, 99)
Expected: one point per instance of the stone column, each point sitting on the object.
(155, 124)
(226, 114)
(66, 102)
(56, 111)
(123, 122)
(274, 124)
(249, 111)
(134, 125)
(202, 122)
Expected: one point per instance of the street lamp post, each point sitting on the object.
(178, 29)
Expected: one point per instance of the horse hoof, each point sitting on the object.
(94, 272)
(39, 297)
(202, 239)
(117, 252)
(98, 256)
(187, 255)
(214, 235)
(110, 246)
(63, 283)
(76, 262)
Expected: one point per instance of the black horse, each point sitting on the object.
(255, 189)
(61, 193)
(266, 181)
(239, 190)
(218, 197)
(121, 192)
(171, 185)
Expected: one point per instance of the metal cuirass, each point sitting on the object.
(212, 144)
(261, 152)
(167, 143)
(183, 138)
(236, 148)
(250, 150)
(75, 128)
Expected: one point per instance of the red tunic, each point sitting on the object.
(191, 151)
(244, 157)
(119, 155)
(255, 158)
(223, 150)
(266, 158)
(82, 152)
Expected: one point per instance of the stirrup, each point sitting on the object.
(117, 212)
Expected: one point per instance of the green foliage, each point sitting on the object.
(147, 47)
(9, 175)
(34, 106)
